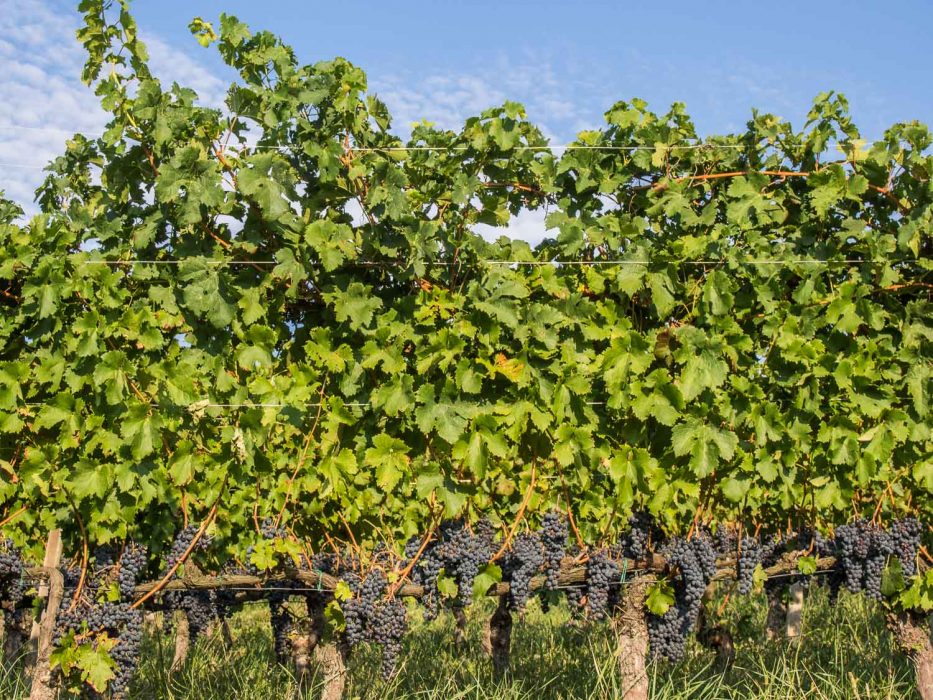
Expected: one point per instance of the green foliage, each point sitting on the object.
(331, 340)
(85, 662)
(659, 597)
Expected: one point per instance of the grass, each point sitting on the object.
(845, 652)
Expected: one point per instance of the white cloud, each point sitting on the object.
(42, 99)
(43, 102)
(170, 64)
(560, 106)
(528, 226)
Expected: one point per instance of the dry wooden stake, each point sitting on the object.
(795, 611)
(43, 685)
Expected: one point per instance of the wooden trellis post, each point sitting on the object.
(795, 611)
(53, 557)
(54, 590)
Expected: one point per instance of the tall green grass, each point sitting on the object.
(845, 652)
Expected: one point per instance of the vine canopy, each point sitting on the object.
(282, 308)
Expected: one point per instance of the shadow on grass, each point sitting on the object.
(845, 653)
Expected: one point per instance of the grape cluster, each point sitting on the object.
(11, 575)
(554, 535)
(906, 535)
(282, 624)
(575, 596)
(601, 574)
(750, 556)
(118, 621)
(201, 607)
(815, 542)
(373, 617)
(522, 562)
(695, 562)
(456, 550)
(358, 611)
(725, 539)
(388, 628)
(864, 549)
(642, 532)
(132, 563)
(181, 543)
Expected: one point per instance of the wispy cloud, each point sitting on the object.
(42, 99)
(552, 101)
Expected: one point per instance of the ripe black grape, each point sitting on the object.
(694, 561)
(601, 574)
(863, 551)
(522, 562)
(554, 535)
(749, 558)
(132, 564)
(642, 531)
(11, 576)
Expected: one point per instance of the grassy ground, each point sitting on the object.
(845, 653)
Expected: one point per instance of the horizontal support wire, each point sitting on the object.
(523, 147)
(531, 263)
(200, 406)
(118, 263)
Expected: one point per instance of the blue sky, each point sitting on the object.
(444, 61)
(721, 58)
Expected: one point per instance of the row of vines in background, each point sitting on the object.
(280, 317)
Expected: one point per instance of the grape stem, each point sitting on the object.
(414, 560)
(518, 516)
(181, 560)
(13, 516)
(84, 557)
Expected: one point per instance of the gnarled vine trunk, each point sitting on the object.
(331, 657)
(498, 638)
(776, 625)
(182, 640)
(631, 631)
(913, 638)
(460, 628)
(306, 638)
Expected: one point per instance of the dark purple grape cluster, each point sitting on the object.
(388, 627)
(750, 554)
(11, 576)
(118, 621)
(459, 551)
(181, 543)
(554, 534)
(358, 611)
(522, 562)
(694, 562)
(815, 542)
(132, 563)
(725, 539)
(425, 574)
(642, 532)
(602, 577)
(282, 625)
(371, 616)
(906, 534)
(201, 607)
(863, 550)
(465, 553)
